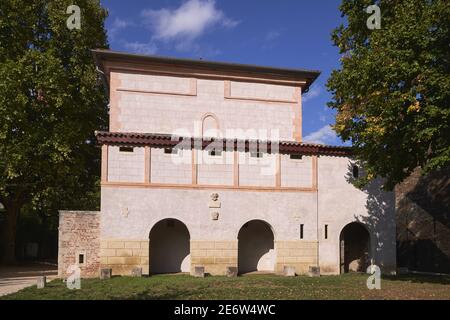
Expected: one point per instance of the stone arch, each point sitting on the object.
(256, 247)
(354, 248)
(169, 247)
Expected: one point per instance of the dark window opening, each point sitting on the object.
(172, 151)
(301, 231)
(326, 231)
(296, 156)
(355, 171)
(215, 153)
(81, 258)
(126, 149)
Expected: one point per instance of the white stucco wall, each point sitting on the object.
(284, 211)
(257, 171)
(170, 168)
(296, 173)
(125, 166)
(340, 203)
(215, 170)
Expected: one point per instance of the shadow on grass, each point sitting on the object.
(420, 278)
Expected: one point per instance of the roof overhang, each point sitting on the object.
(107, 60)
(170, 141)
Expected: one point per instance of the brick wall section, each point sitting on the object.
(215, 256)
(79, 232)
(297, 253)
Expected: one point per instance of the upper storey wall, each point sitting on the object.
(175, 104)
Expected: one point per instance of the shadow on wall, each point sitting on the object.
(380, 221)
(423, 221)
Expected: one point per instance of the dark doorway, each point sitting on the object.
(169, 247)
(256, 247)
(354, 243)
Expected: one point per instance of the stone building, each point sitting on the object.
(204, 165)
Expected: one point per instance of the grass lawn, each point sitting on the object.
(349, 286)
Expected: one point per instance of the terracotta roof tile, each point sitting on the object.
(167, 140)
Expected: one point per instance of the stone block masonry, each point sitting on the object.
(123, 255)
(215, 256)
(296, 253)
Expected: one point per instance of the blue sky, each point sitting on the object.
(292, 34)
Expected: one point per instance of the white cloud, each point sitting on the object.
(314, 91)
(116, 26)
(141, 47)
(187, 22)
(324, 135)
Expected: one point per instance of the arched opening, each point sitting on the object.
(169, 247)
(256, 247)
(210, 125)
(354, 248)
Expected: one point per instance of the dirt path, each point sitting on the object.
(15, 278)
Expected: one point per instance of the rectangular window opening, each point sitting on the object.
(215, 153)
(173, 151)
(81, 258)
(296, 156)
(301, 231)
(326, 231)
(126, 149)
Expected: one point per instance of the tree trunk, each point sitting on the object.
(9, 234)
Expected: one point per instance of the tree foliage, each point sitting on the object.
(50, 104)
(392, 91)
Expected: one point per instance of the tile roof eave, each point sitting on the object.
(167, 140)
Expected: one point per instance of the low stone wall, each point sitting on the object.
(79, 234)
(122, 255)
(297, 253)
(215, 256)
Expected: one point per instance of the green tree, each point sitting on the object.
(51, 101)
(392, 91)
